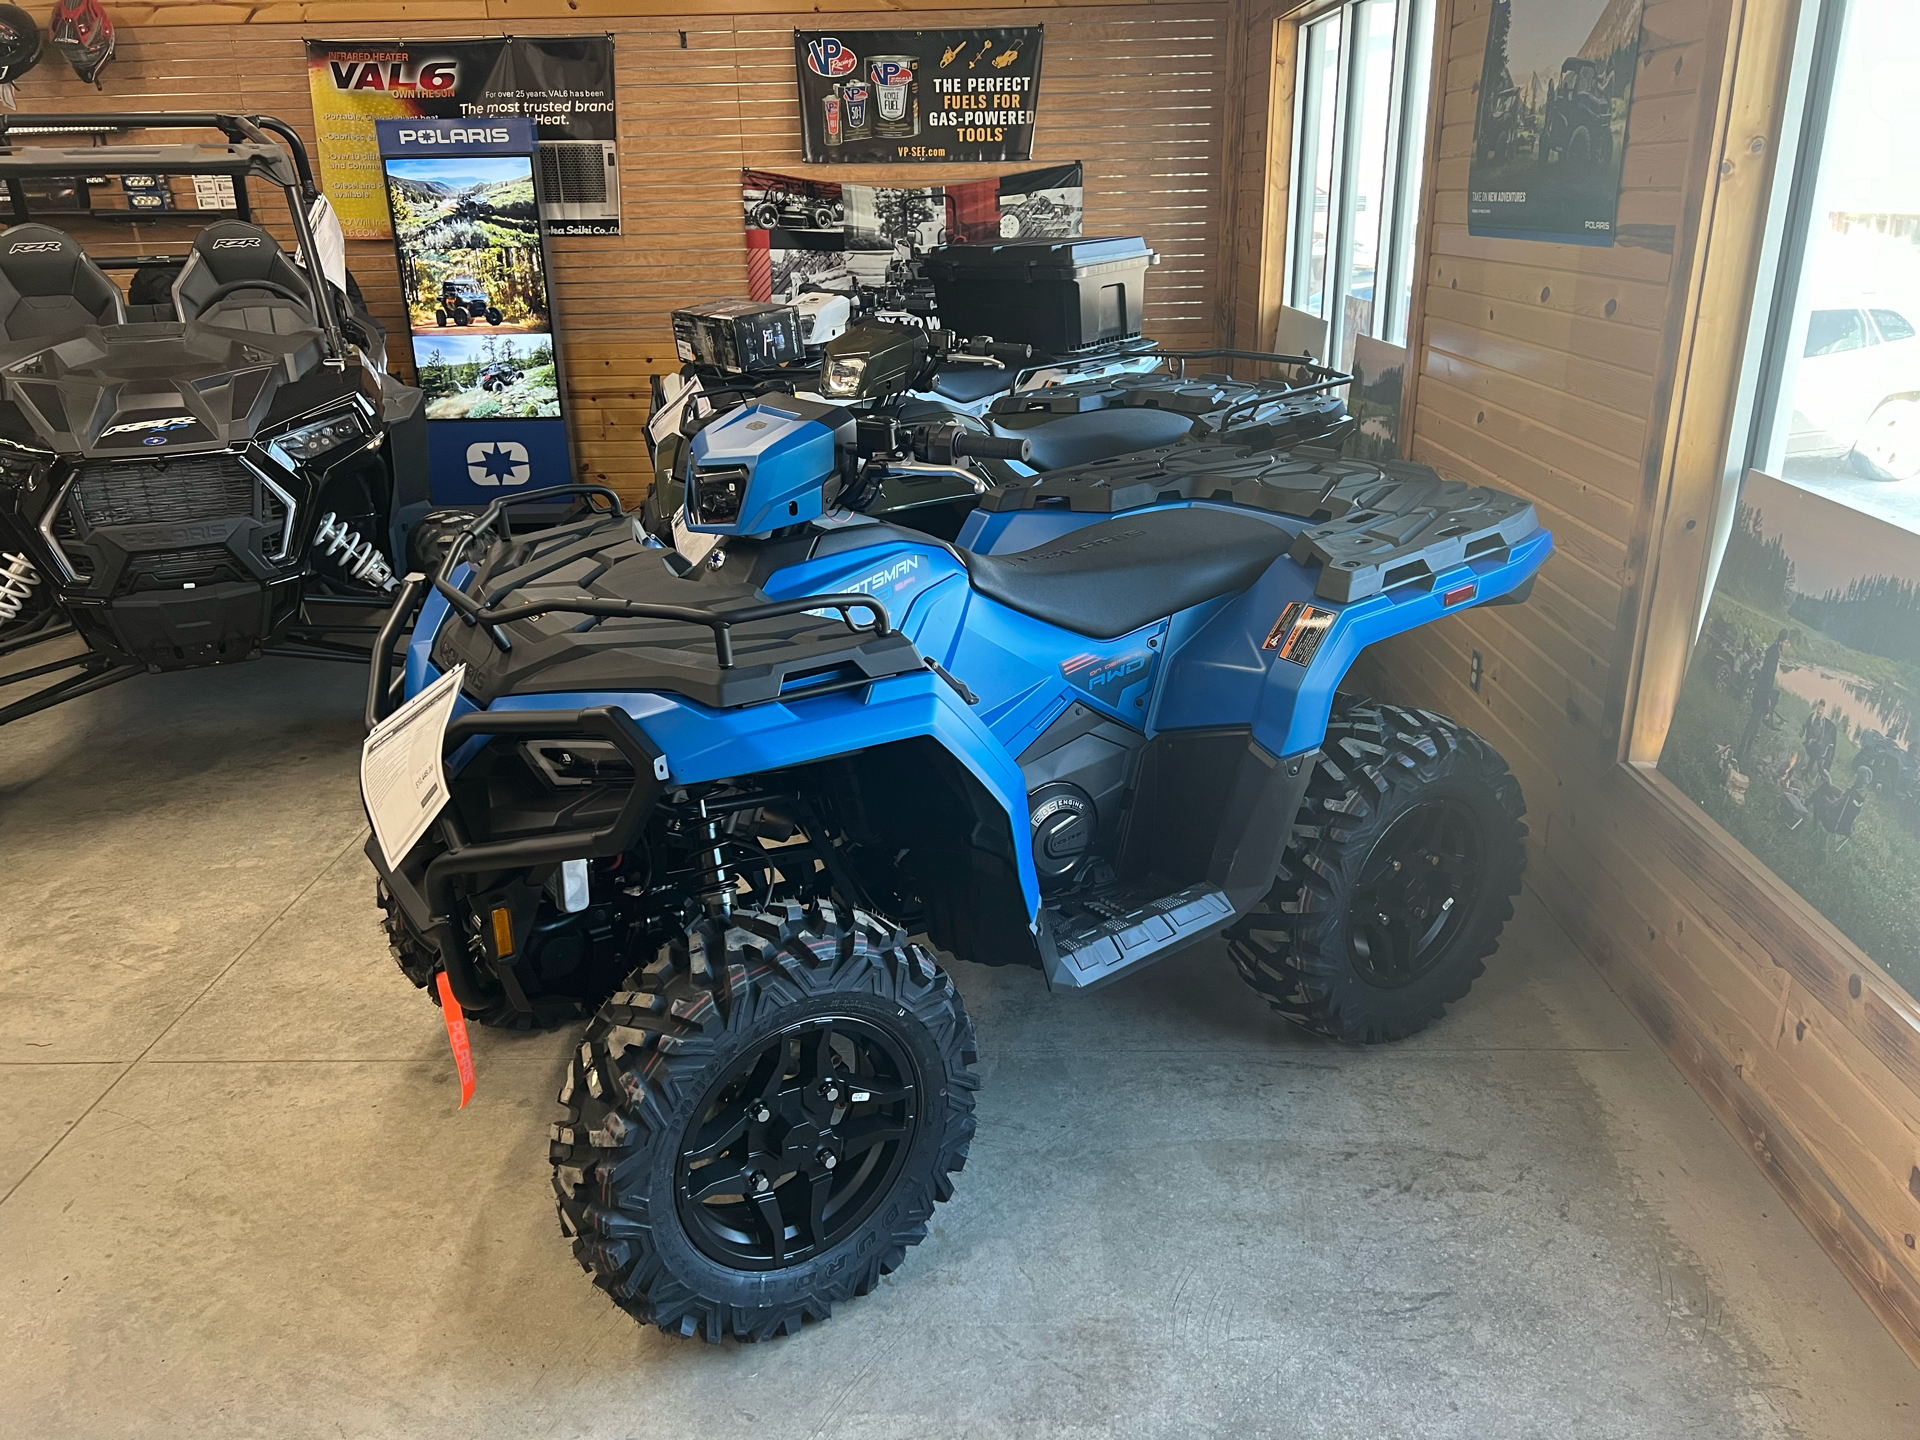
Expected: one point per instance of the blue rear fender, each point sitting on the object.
(1278, 652)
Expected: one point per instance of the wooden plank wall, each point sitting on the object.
(1135, 91)
(1551, 371)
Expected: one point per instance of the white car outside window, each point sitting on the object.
(1855, 393)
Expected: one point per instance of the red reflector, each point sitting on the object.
(1459, 593)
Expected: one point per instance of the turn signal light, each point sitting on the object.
(503, 931)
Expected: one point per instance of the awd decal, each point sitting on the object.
(1120, 681)
(1298, 632)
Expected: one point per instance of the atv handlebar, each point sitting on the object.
(990, 447)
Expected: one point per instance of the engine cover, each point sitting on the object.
(1064, 823)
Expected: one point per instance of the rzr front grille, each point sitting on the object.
(165, 492)
(170, 569)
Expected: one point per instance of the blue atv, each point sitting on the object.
(727, 809)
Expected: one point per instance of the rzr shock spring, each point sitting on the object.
(342, 544)
(18, 580)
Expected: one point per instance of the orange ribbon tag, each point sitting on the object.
(456, 1036)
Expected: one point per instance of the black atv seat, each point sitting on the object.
(1118, 575)
(233, 250)
(1058, 441)
(964, 384)
(150, 292)
(48, 286)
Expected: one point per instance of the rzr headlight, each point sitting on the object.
(316, 439)
(842, 378)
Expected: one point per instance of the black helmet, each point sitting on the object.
(82, 32)
(19, 43)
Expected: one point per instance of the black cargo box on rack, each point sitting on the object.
(1058, 296)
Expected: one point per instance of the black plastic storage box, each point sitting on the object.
(1058, 296)
(737, 334)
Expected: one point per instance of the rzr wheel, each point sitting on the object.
(440, 317)
(493, 315)
(762, 1124)
(1401, 872)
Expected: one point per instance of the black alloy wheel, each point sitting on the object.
(1416, 890)
(760, 1124)
(1406, 854)
(797, 1143)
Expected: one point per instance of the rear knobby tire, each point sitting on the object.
(663, 1063)
(1386, 772)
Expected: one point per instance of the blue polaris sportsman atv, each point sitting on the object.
(729, 810)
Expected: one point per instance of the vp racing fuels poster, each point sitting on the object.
(473, 271)
(565, 86)
(931, 95)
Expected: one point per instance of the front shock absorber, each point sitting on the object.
(716, 879)
(341, 543)
(18, 581)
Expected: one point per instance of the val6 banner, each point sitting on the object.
(565, 86)
(930, 95)
(1550, 130)
(473, 270)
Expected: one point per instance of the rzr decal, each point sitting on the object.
(1298, 632)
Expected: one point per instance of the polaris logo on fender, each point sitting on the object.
(32, 247)
(165, 422)
(237, 242)
(828, 57)
(488, 136)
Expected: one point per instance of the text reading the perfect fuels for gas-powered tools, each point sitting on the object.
(980, 108)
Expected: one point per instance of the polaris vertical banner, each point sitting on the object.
(463, 200)
(564, 85)
(928, 95)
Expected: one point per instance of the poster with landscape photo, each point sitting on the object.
(1550, 119)
(1795, 726)
(1373, 400)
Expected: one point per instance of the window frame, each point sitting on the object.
(1397, 246)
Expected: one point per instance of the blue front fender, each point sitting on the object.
(705, 744)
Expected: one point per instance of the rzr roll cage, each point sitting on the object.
(257, 147)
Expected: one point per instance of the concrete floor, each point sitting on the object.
(239, 1199)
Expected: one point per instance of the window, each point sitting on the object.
(1797, 726)
(1836, 406)
(1360, 132)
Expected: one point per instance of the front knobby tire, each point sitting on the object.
(761, 1124)
(1401, 872)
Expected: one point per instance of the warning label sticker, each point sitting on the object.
(1298, 632)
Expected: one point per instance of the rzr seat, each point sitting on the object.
(1113, 577)
(49, 287)
(231, 250)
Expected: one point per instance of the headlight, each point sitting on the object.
(343, 428)
(842, 377)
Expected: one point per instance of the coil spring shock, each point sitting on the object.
(18, 580)
(716, 880)
(342, 544)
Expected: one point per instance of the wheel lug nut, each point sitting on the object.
(762, 1114)
(828, 1160)
(758, 1183)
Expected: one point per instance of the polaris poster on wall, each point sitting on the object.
(805, 233)
(1550, 130)
(918, 95)
(564, 85)
(462, 197)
